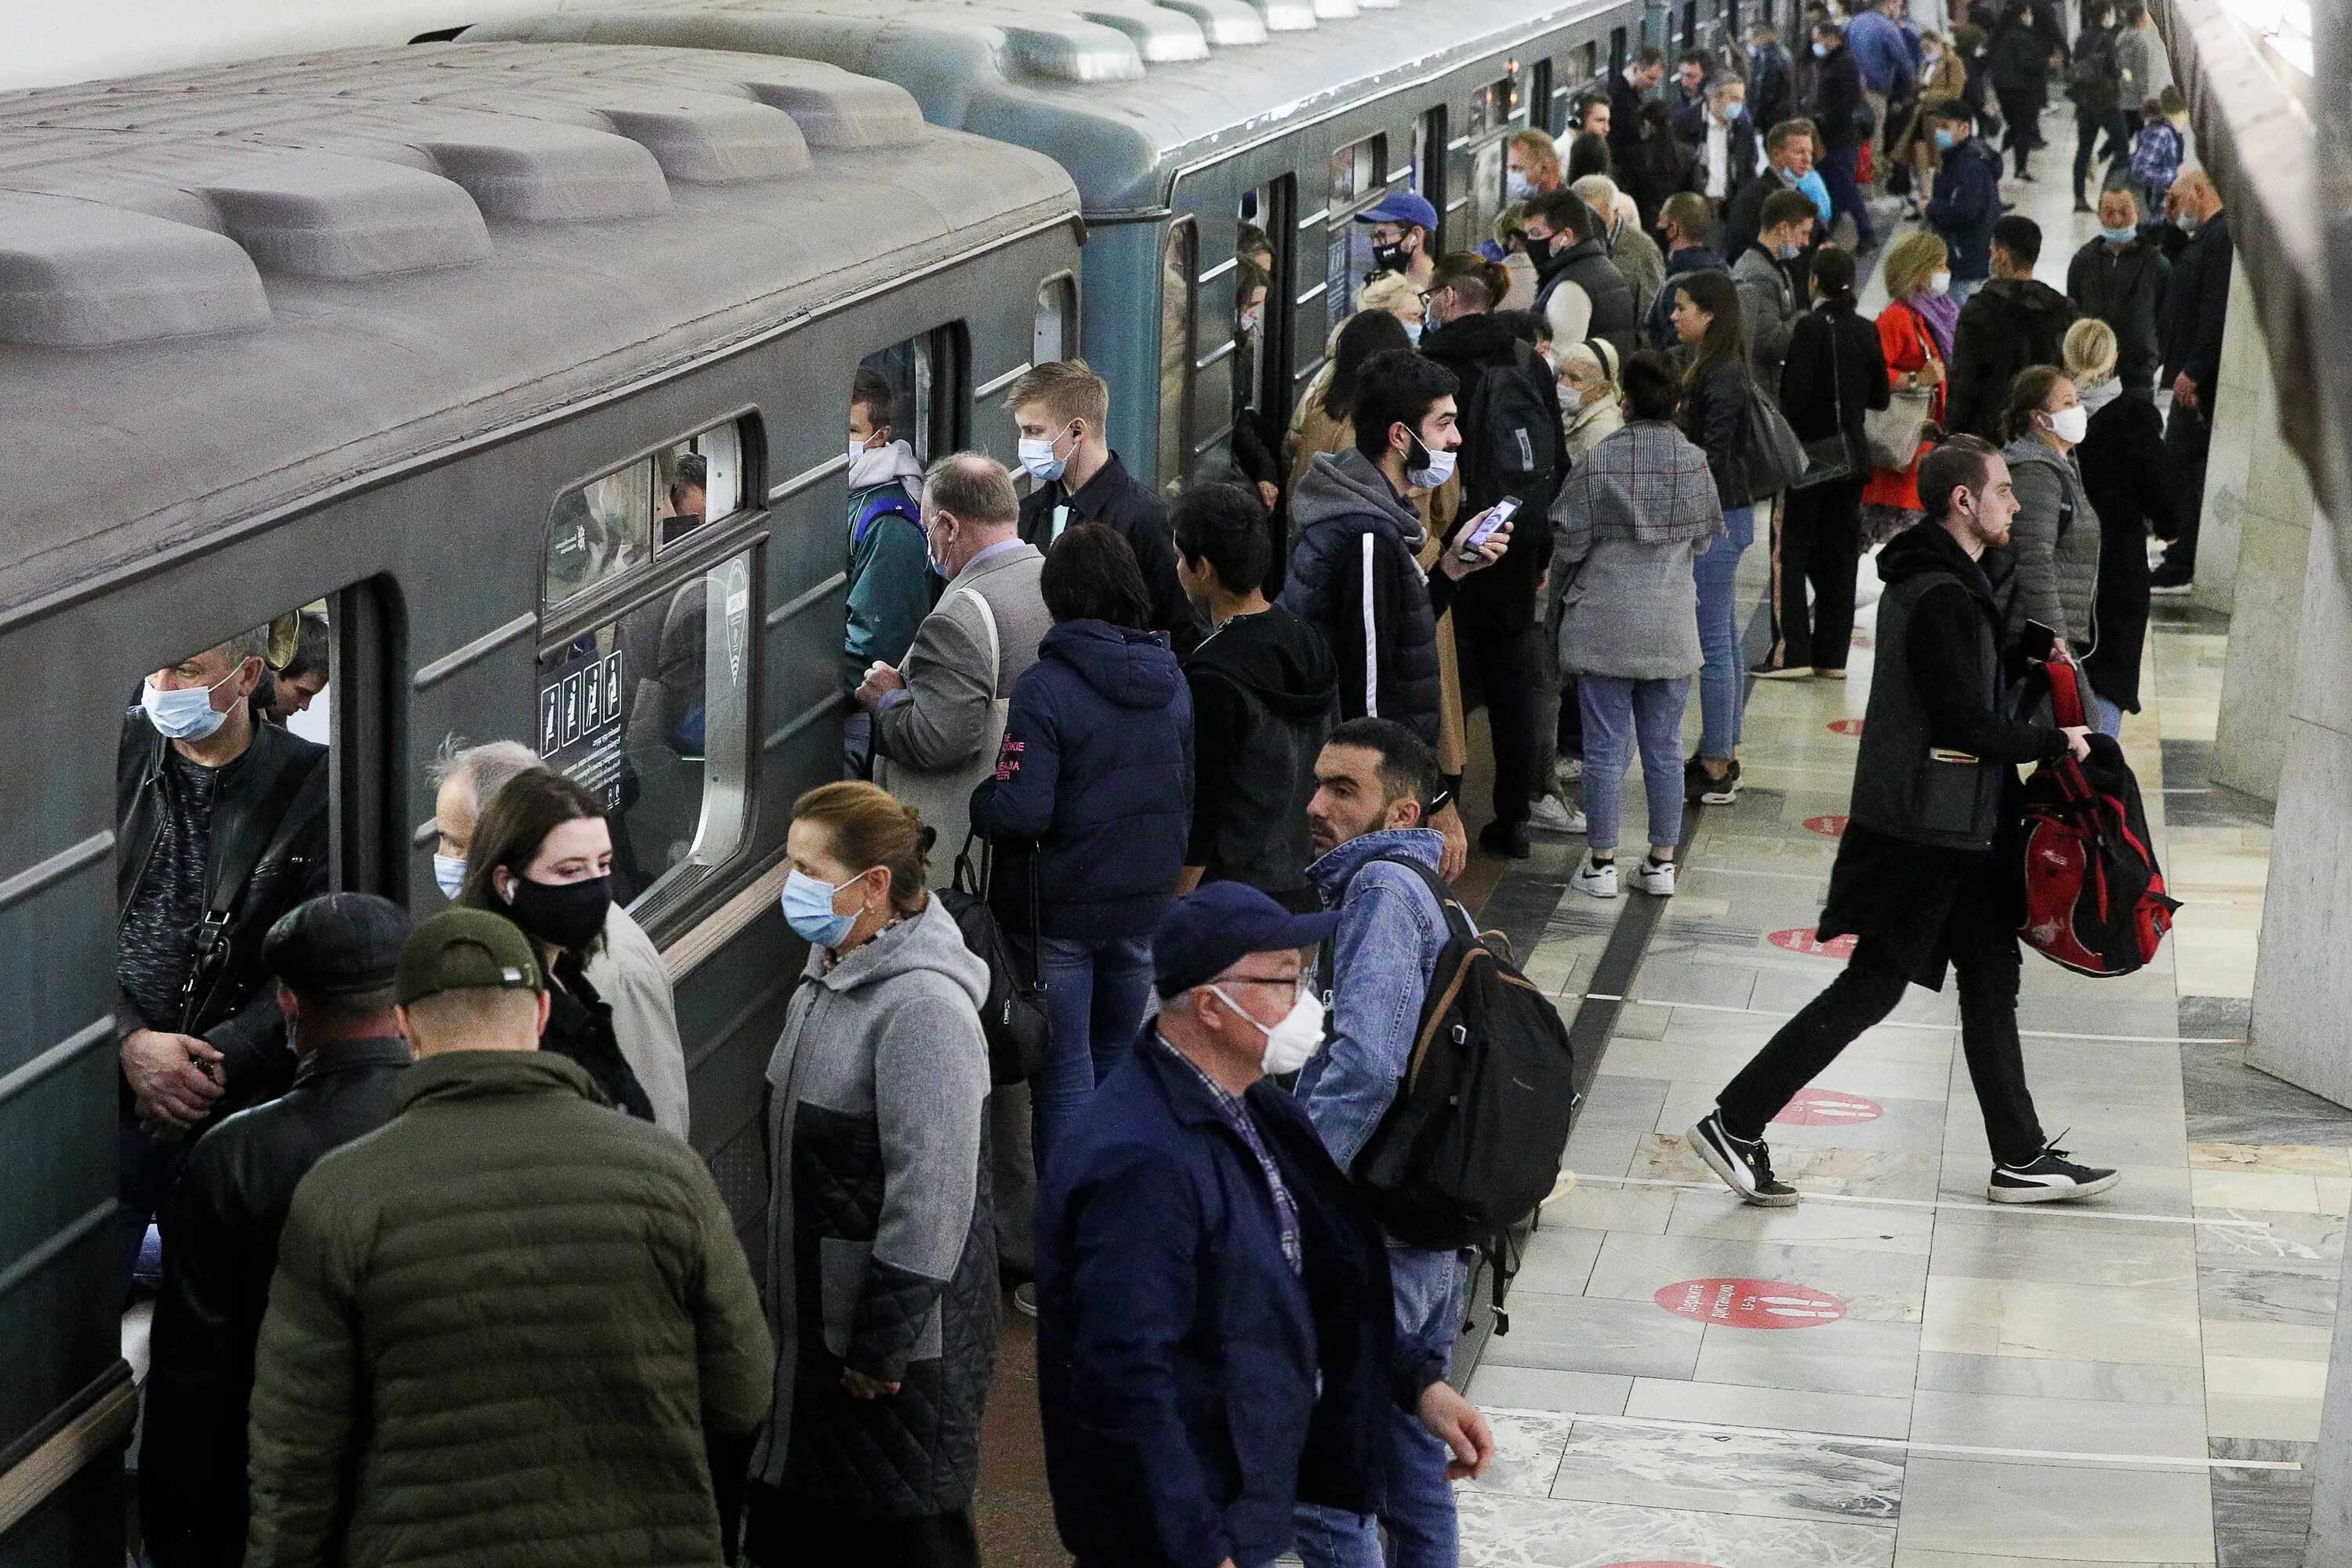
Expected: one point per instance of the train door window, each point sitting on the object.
(611, 525)
(1263, 240)
(1056, 332)
(1690, 25)
(1616, 51)
(903, 411)
(1489, 129)
(1359, 175)
(1179, 260)
(1428, 181)
(1544, 113)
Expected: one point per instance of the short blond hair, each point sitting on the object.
(1066, 389)
(1912, 261)
(2090, 351)
(1386, 292)
(1537, 144)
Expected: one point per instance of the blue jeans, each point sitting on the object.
(147, 1168)
(1617, 711)
(1721, 677)
(1419, 1517)
(1094, 997)
(2109, 719)
(1845, 192)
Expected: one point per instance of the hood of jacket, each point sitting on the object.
(1481, 339)
(1132, 669)
(1276, 658)
(892, 462)
(930, 940)
(1928, 547)
(1330, 872)
(2033, 449)
(2029, 297)
(1343, 485)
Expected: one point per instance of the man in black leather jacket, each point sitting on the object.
(220, 828)
(333, 959)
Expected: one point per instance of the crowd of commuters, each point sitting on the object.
(1185, 735)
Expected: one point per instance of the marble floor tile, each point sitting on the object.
(2098, 1381)
(2096, 1514)
(2281, 1293)
(1902, 1126)
(1517, 1532)
(1558, 1260)
(2070, 1322)
(2263, 1416)
(1597, 1205)
(1497, 1386)
(1913, 1557)
(2268, 1340)
(2063, 1426)
(1884, 1286)
(1865, 1173)
(1992, 1246)
(1753, 1474)
(2263, 1501)
(2292, 1159)
(2301, 1238)
(1853, 1355)
(1861, 1227)
(1526, 1453)
(1787, 1409)
(1587, 1333)
(2296, 1193)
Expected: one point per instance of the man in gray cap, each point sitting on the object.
(333, 960)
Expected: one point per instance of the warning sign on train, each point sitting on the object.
(579, 718)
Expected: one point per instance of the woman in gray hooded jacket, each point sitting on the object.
(2049, 570)
(881, 1275)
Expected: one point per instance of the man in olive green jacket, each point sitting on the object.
(505, 1325)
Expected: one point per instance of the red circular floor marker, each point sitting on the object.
(1752, 1303)
(1833, 825)
(1845, 726)
(1799, 940)
(1828, 1107)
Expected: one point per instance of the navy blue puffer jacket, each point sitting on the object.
(1096, 770)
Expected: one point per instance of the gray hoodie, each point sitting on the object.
(2049, 570)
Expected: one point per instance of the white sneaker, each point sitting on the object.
(1566, 771)
(1549, 815)
(1657, 880)
(1600, 881)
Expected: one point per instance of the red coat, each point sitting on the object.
(1909, 345)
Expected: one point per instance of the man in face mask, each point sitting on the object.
(221, 828)
(2190, 330)
(1377, 866)
(1404, 234)
(889, 579)
(1062, 410)
(2120, 278)
(1530, 166)
(1156, 1309)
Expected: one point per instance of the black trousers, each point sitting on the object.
(1982, 943)
(2087, 127)
(1504, 657)
(2021, 114)
(1816, 539)
(2188, 439)
(788, 1529)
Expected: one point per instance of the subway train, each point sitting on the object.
(430, 336)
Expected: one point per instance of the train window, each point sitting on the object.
(1262, 241)
(1357, 171)
(1543, 108)
(901, 416)
(1616, 50)
(1429, 180)
(622, 519)
(1179, 261)
(651, 712)
(1057, 319)
(1358, 178)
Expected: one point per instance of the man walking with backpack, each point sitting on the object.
(1511, 440)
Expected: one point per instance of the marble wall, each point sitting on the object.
(2247, 426)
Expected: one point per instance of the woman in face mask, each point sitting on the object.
(541, 855)
(2049, 570)
(881, 1283)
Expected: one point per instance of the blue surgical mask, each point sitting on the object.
(2123, 236)
(1788, 250)
(187, 714)
(1820, 51)
(1412, 332)
(1516, 185)
(1037, 457)
(808, 910)
(449, 874)
(1945, 140)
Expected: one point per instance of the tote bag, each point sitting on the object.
(944, 796)
(1893, 433)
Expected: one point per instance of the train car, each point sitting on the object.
(1187, 126)
(434, 339)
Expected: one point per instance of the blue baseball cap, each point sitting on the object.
(1207, 933)
(1401, 207)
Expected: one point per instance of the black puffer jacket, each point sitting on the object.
(2007, 325)
(1714, 415)
(1263, 695)
(220, 1229)
(1356, 577)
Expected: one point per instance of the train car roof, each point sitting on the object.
(229, 291)
(1120, 93)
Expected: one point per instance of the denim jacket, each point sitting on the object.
(1383, 955)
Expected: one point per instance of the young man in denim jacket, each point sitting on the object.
(1375, 783)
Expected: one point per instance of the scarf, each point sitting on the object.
(1942, 316)
(2097, 395)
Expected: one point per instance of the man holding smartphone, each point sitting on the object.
(1511, 450)
(1916, 878)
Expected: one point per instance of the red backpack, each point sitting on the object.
(2094, 898)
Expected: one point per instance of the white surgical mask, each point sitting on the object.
(1291, 1043)
(1570, 399)
(449, 875)
(1439, 470)
(2070, 425)
(1516, 187)
(1939, 283)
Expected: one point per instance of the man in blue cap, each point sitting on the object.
(1214, 1338)
(1405, 235)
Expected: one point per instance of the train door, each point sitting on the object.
(1359, 179)
(1478, 156)
(1180, 256)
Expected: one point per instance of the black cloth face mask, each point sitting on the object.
(568, 915)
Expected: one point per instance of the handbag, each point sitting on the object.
(1830, 457)
(1770, 457)
(1012, 1015)
(1892, 434)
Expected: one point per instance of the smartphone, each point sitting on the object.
(1499, 514)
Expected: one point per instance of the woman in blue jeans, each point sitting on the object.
(1626, 527)
(1093, 795)
(1716, 392)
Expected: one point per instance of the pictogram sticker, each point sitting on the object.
(1828, 1107)
(1752, 1303)
(1799, 940)
(1829, 827)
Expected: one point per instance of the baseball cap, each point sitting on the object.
(1401, 207)
(465, 950)
(340, 944)
(1207, 933)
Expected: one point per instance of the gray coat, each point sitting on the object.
(881, 1248)
(629, 972)
(1769, 304)
(1629, 606)
(2049, 570)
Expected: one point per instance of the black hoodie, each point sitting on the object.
(1265, 694)
(2007, 325)
(1483, 354)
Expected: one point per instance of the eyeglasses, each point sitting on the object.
(1290, 983)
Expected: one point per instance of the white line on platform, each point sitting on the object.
(2061, 1456)
(2048, 1211)
(1909, 1024)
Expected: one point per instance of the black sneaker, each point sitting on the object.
(1508, 840)
(1701, 787)
(2048, 1178)
(2170, 578)
(1745, 1165)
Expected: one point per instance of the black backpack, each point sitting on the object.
(1474, 1140)
(1012, 1018)
(1511, 436)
